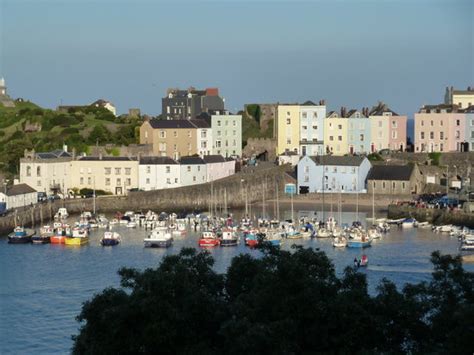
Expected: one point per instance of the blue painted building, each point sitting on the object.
(470, 128)
(327, 173)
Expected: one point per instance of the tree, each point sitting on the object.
(284, 302)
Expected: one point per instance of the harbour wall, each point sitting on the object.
(251, 185)
(432, 215)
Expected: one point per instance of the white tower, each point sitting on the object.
(3, 88)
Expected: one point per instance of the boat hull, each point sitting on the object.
(229, 242)
(109, 242)
(41, 239)
(76, 241)
(57, 239)
(358, 244)
(203, 243)
(19, 240)
(158, 243)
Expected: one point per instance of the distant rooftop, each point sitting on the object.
(19, 189)
(390, 172)
(338, 160)
(157, 161)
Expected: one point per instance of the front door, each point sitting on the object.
(118, 190)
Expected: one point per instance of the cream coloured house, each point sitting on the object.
(116, 175)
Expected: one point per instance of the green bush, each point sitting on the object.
(435, 158)
(89, 192)
(375, 157)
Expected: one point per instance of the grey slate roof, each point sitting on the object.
(191, 161)
(196, 123)
(108, 158)
(390, 172)
(338, 160)
(380, 109)
(308, 103)
(201, 123)
(214, 159)
(157, 161)
(19, 189)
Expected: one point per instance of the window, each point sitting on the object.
(188, 168)
(108, 171)
(148, 169)
(218, 123)
(189, 146)
(422, 135)
(81, 181)
(315, 127)
(383, 184)
(440, 123)
(118, 171)
(305, 127)
(107, 181)
(353, 170)
(162, 147)
(175, 134)
(194, 178)
(148, 181)
(162, 134)
(458, 122)
(28, 170)
(38, 171)
(168, 180)
(304, 115)
(331, 138)
(422, 122)
(361, 138)
(175, 180)
(175, 147)
(233, 123)
(306, 178)
(472, 134)
(441, 135)
(339, 138)
(234, 133)
(403, 185)
(339, 126)
(306, 169)
(203, 134)
(199, 168)
(288, 121)
(432, 123)
(89, 180)
(128, 171)
(189, 134)
(128, 182)
(146, 134)
(393, 185)
(458, 134)
(394, 124)
(315, 115)
(380, 123)
(472, 122)
(288, 141)
(394, 134)
(334, 169)
(218, 133)
(118, 181)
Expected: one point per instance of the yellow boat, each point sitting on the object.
(77, 240)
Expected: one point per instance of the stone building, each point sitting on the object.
(395, 180)
(5, 100)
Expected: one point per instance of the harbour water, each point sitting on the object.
(42, 287)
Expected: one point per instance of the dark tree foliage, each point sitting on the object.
(280, 303)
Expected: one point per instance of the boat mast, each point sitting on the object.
(373, 207)
(263, 200)
(357, 195)
(225, 201)
(340, 206)
(323, 181)
(277, 203)
(93, 196)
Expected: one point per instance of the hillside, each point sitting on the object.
(251, 125)
(29, 126)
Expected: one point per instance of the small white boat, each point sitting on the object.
(323, 233)
(339, 242)
(110, 239)
(374, 233)
(159, 238)
(424, 225)
(61, 214)
(465, 246)
(131, 224)
(408, 223)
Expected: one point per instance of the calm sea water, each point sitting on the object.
(42, 287)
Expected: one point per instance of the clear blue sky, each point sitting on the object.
(351, 53)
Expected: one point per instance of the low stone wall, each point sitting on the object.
(252, 183)
(434, 216)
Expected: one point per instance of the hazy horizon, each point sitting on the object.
(350, 53)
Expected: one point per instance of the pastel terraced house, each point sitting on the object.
(336, 133)
(300, 128)
(388, 129)
(441, 128)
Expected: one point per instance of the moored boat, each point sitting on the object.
(208, 239)
(44, 236)
(159, 238)
(79, 236)
(408, 223)
(20, 235)
(363, 241)
(339, 242)
(110, 239)
(229, 238)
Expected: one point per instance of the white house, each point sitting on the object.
(217, 167)
(18, 196)
(192, 171)
(155, 173)
(204, 137)
(346, 174)
(48, 172)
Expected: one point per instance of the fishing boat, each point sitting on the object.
(361, 242)
(20, 235)
(209, 239)
(339, 242)
(61, 214)
(229, 238)
(110, 239)
(80, 236)
(408, 223)
(44, 236)
(159, 238)
(251, 238)
(60, 235)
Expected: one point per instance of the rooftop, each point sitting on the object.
(157, 161)
(213, 159)
(338, 160)
(390, 172)
(107, 158)
(58, 153)
(191, 161)
(179, 124)
(19, 189)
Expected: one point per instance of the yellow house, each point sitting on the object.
(288, 129)
(335, 134)
(463, 98)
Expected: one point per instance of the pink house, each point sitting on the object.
(397, 139)
(218, 167)
(439, 128)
